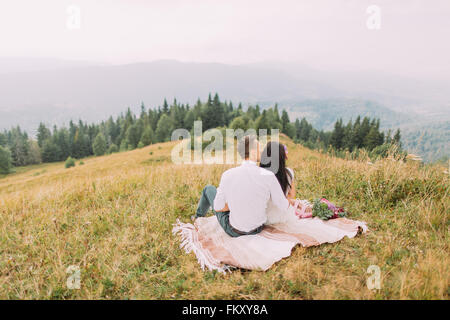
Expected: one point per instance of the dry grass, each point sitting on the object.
(113, 217)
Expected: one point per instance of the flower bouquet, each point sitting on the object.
(324, 209)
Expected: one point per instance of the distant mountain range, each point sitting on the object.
(55, 91)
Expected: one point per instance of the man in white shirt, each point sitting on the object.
(241, 199)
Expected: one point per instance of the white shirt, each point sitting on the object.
(275, 215)
(248, 189)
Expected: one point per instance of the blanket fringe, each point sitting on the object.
(185, 231)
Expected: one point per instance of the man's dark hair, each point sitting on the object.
(245, 145)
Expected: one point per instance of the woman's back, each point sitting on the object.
(290, 178)
(275, 215)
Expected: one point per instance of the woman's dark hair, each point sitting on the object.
(266, 162)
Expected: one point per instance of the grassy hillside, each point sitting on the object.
(113, 218)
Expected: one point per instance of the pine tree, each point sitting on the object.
(189, 120)
(49, 151)
(305, 130)
(229, 113)
(251, 112)
(388, 137)
(99, 146)
(177, 113)
(284, 121)
(297, 129)
(363, 132)
(76, 145)
(61, 138)
(213, 115)
(209, 102)
(261, 123)
(5, 161)
(290, 130)
(72, 135)
(371, 139)
(19, 147)
(198, 109)
(3, 139)
(218, 112)
(81, 144)
(42, 134)
(35, 153)
(133, 136)
(257, 112)
(337, 136)
(356, 141)
(397, 137)
(277, 113)
(112, 130)
(147, 136)
(165, 109)
(129, 119)
(143, 117)
(164, 129)
(348, 136)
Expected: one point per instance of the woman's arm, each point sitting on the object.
(291, 194)
(224, 208)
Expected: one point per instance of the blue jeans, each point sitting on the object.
(207, 201)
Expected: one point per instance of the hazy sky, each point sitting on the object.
(413, 38)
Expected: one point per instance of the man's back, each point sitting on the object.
(247, 190)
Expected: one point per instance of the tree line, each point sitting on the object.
(128, 132)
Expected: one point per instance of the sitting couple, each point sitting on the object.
(249, 195)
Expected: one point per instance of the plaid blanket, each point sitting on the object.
(216, 250)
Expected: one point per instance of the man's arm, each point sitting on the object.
(220, 203)
(224, 208)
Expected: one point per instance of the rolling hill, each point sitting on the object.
(112, 218)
